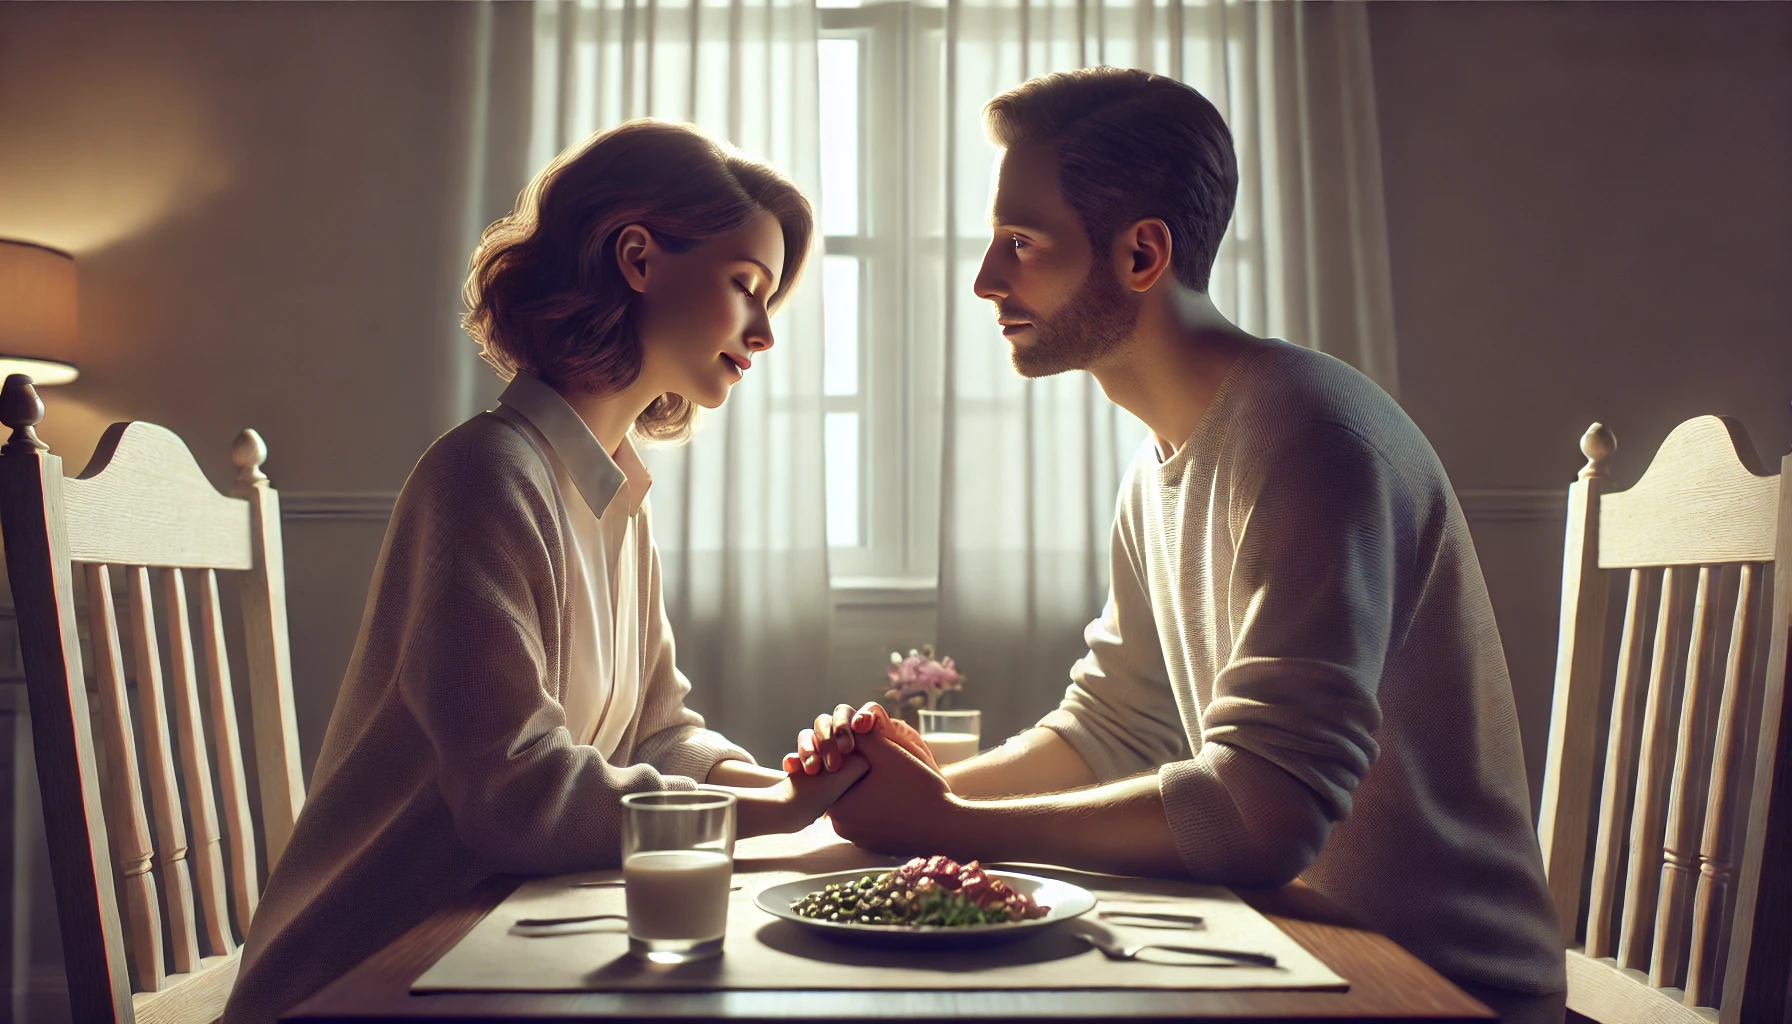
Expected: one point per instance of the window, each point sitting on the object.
(882, 506)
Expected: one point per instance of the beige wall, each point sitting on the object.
(1590, 218)
(266, 207)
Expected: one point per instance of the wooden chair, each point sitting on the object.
(1659, 922)
(143, 511)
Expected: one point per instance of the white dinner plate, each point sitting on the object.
(1065, 900)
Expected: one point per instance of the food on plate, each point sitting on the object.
(931, 891)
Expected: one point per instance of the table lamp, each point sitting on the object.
(37, 312)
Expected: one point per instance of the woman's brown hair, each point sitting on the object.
(1130, 145)
(545, 294)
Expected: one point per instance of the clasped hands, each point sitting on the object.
(895, 800)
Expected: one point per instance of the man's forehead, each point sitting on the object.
(1024, 183)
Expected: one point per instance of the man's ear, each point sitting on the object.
(635, 249)
(1143, 252)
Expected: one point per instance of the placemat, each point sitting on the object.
(763, 952)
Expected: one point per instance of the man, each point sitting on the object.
(1297, 672)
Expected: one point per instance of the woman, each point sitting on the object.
(514, 674)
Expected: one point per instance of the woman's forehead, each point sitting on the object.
(760, 240)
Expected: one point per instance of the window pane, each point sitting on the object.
(840, 306)
(841, 443)
(839, 70)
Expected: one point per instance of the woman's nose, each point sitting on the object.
(759, 341)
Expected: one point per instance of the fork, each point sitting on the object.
(1114, 951)
(549, 922)
(1185, 920)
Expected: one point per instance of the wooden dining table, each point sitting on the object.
(1385, 982)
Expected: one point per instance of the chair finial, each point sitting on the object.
(249, 452)
(22, 410)
(1597, 444)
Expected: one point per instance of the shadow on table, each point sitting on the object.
(630, 972)
(829, 859)
(794, 940)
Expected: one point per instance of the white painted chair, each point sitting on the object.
(143, 512)
(1683, 912)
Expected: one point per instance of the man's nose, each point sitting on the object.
(989, 284)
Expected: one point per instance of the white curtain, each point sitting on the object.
(738, 513)
(1015, 480)
(1030, 469)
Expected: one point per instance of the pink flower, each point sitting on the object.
(921, 676)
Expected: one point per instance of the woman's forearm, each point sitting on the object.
(742, 775)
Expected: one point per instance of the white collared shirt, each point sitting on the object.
(602, 495)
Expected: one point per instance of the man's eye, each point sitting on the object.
(1019, 242)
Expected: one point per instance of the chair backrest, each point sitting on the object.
(1683, 906)
(143, 515)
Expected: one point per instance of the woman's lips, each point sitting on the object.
(740, 365)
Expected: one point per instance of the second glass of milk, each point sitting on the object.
(951, 735)
(677, 864)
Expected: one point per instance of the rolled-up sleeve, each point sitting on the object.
(1290, 730)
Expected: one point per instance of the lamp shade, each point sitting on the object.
(37, 311)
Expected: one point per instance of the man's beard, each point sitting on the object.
(1089, 326)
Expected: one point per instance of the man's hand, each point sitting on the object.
(902, 806)
(823, 747)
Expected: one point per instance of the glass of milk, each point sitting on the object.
(677, 863)
(951, 735)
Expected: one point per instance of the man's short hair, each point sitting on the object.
(1131, 145)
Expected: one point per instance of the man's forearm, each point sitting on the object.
(1034, 762)
(1119, 828)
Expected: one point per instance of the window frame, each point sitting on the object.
(897, 553)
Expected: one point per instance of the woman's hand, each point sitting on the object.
(794, 802)
(824, 747)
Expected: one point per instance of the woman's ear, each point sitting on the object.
(635, 249)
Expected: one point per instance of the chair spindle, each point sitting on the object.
(195, 766)
(1620, 766)
(227, 741)
(171, 831)
(131, 846)
(1644, 874)
(1679, 867)
(1716, 863)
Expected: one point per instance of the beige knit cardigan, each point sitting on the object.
(447, 758)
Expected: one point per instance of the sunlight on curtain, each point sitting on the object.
(739, 513)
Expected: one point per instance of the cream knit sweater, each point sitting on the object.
(1299, 635)
(447, 758)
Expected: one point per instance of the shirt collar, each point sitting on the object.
(601, 480)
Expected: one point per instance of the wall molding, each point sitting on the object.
(1513, 505)
(337, 506)
(1496, 505)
